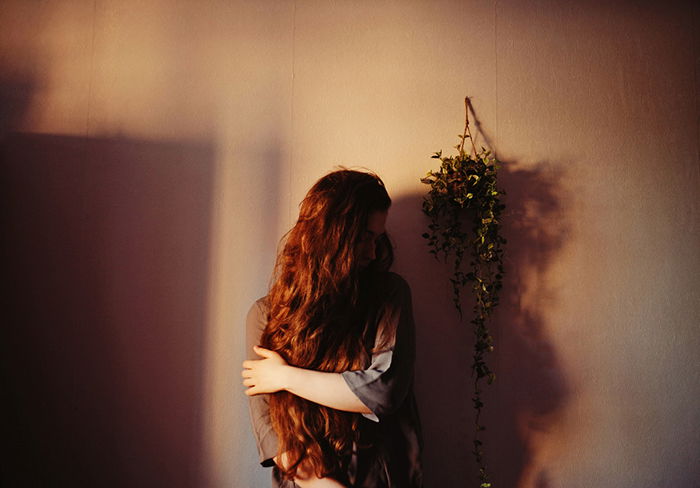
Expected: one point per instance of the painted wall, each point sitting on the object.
(155, 152)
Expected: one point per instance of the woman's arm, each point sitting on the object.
(376, 391)
(272, 373)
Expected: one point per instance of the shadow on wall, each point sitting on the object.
(15, 97)
(106, 248)
(530, 391)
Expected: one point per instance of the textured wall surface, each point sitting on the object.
(160, 148)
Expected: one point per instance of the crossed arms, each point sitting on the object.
(272, 374)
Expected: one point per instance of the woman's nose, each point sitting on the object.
(372, 254)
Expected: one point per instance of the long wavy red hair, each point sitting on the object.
(318, 304)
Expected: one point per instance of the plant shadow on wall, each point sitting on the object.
(530, 392)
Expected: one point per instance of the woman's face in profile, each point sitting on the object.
(375, 228)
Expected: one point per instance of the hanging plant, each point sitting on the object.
(464, 191)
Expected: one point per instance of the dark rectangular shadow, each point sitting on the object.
(105, 250)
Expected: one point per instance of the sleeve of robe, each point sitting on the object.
(265, 436)
(382, 387)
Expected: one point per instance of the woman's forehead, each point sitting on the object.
(376, 222)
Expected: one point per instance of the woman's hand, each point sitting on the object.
(266, 375)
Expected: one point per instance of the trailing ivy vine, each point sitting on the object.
(464, 190)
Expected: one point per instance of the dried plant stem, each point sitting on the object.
(467, 131)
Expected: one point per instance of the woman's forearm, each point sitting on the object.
(329, 389)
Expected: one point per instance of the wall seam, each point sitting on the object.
(695, 42)
(291, 113)
(92, 67)
(495, 57)
(83, 179)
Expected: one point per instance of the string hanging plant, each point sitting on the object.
(464, 190)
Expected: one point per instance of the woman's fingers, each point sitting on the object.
(261, 351)
(263, 375)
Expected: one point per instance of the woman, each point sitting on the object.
(332, 400)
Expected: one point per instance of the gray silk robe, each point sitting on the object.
(385, 386)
